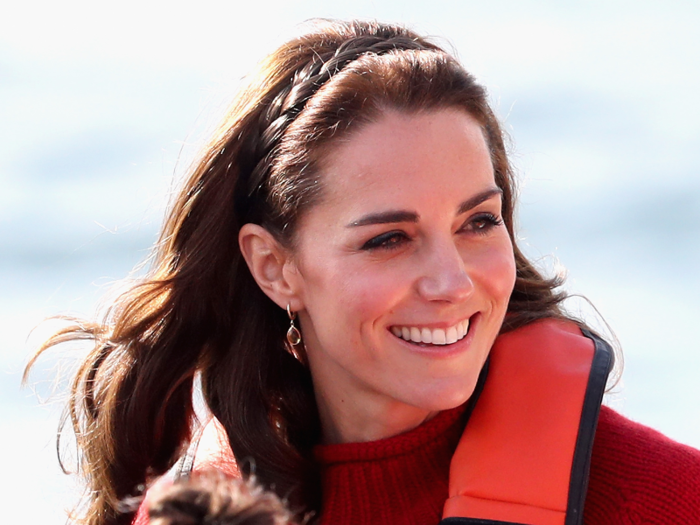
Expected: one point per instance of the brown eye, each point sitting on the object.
(482, 223)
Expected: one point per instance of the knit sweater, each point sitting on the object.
(638, 476)
(401, 479)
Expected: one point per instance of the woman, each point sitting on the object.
(355, 208)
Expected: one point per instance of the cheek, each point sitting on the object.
(498, 272)
(349, 293)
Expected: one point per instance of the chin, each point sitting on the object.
(445, 397)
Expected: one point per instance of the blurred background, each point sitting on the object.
(103, 104)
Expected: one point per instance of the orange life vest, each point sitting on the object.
(525, 453)
(524, 456)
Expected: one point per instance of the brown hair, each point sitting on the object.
(199, 308)
(210, 497)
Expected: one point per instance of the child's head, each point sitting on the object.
(211, 497)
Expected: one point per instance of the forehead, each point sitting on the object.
(407, 159)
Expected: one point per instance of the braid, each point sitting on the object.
(305, 83)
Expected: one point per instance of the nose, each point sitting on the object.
(445, 277)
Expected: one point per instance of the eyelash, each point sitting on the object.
(488, 220)
(387, 241)
(480, 224)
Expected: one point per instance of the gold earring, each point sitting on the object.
(293, 334)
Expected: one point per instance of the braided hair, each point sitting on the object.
(281, 108)
(199, 309)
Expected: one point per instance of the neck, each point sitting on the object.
(349, 421)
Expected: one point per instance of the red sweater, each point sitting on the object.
(638, 476)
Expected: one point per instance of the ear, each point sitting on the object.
(271, 265)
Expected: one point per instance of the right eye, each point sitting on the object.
(386, 241)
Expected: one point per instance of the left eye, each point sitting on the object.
(482, 223)
(387, 241)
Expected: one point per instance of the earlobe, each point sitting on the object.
(268, 262)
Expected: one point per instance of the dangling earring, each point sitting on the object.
(293, 334)
(294, 340)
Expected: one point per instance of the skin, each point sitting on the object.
(408, 234)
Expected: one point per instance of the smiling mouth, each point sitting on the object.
(434, 336)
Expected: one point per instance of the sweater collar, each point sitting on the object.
(393, 446)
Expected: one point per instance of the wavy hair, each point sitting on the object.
(199, 310)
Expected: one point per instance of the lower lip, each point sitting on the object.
(444, 351)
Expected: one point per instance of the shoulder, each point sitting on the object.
(638, 475)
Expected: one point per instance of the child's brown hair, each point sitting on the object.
(213, 498)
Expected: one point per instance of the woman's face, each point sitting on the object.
(404, 272)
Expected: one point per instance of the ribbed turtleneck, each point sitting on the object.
(399, 480)
(637, 476)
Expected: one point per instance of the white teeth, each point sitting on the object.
(437, 336)
(464, 328)
(451, 335)
(415, 335)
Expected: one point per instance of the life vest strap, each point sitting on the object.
(475, 521)
(525, 453)
(512, 513)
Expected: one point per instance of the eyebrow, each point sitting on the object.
(477, 199)
(394, 216)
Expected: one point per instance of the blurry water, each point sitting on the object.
(603, 111)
